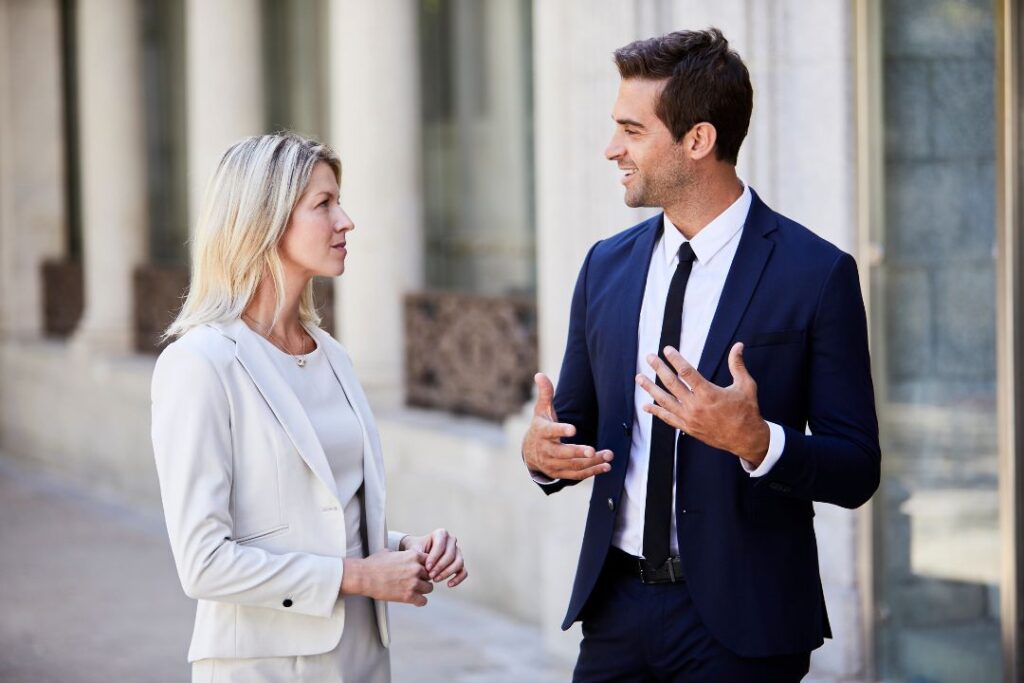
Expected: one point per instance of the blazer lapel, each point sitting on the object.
(282, 401)
(373, 462)
(748, 264)
(635, 280)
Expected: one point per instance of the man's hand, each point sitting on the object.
(726, 418)
(444, 557)
(386, 575)
(543, 450)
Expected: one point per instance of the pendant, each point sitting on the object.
(301, 362)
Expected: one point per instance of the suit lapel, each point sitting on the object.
(282, 401)
(744, 274)
(373, 463)
(632, 293)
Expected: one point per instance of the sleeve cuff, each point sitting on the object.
(324, 593)
(776, 444)
(542, 479)
(395, 540)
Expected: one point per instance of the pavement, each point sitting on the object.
(88, 594)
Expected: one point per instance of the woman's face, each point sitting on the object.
(314, 239)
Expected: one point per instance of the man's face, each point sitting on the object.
(655, 166)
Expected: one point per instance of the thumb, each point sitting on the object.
(737, 368)
(545, 396)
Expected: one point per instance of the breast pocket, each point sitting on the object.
(776, 338)
(776, 360)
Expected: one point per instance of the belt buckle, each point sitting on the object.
(649, 574)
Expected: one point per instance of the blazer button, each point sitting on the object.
(611, 504)
(287, 602)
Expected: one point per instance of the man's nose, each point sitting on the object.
(614, 150)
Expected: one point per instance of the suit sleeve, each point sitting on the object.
(192, 445)
(575, 399)
(395, 539)
(840, 461)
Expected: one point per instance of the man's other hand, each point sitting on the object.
(543, 450)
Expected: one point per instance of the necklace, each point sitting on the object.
(281, 343)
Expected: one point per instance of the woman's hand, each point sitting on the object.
(386, 575)
(444, 557)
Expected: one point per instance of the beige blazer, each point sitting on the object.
(256, 527)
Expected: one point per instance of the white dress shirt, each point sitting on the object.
(715, 247)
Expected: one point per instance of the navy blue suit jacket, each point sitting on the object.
(747, 545)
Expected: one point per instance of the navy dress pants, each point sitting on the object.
(635, 632)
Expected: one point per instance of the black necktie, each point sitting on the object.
(661, 466)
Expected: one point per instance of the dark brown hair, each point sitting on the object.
(706, 82)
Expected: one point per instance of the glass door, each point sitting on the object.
(937, 546)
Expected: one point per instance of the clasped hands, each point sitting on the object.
(727, 418)
(406, 575)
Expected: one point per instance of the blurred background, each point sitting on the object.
(471, 133)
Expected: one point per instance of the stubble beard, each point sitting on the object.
(665, 184)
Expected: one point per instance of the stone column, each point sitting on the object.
(375, 126)
(579, 198)
(113, 169)
(579, 201)
(224, 80)
(32, 209)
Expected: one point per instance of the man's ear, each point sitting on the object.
(700, 140)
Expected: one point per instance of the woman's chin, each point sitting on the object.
(333, 268)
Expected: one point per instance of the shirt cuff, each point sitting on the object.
(776, 444)
(542, 479)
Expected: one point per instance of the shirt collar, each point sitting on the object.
(713, 236)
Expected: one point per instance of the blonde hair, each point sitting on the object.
(244, 215)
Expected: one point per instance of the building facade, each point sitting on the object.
(471, 134)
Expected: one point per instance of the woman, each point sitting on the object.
(268, 457)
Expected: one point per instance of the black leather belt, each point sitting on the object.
(623, 562)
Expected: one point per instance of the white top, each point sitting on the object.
(336, 425)
(715, 247)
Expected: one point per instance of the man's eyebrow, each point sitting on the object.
(629, 122)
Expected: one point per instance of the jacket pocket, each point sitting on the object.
(266, 533)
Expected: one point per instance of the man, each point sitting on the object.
(702, 344)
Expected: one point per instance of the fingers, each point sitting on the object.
(421, 568)
(669, 418)
(458, 578)
(686, 372)
(575, 462)
(547, 429)
(451, 568)
(661, 396)
(586, 473)
(420, 543)
(737, 366)
(545, 397)
(442, 570)
(416, 595)
(439, 541)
